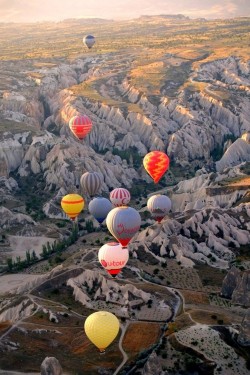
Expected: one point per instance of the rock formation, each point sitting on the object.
(51, 366)
(241, 294)
(153, 366)
(244, 335)
(230, 282)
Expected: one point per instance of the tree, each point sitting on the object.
(89, 226)
(10, 264)
(49, 249)
(34, 257)
(19, 264)
(44, 253)
(28, 257)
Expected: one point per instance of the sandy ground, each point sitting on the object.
(243, 182)
(20, 245)
(9, 282)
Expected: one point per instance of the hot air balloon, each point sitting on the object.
(80, 126)
(99, 207)
(113, 257)
(91, 182)
(120, 197)
(123, 223)
(156, 163)
(101, 328)
(89, 41)
(159, 205)
(72, 205)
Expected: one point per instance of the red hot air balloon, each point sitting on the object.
(123, 223)
(113, 257)
(80, 126)
(156, 164)
(120, 197)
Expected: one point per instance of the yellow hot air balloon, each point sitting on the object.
(72, 205)
(101, 328)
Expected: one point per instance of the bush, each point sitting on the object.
(55, 291)
(220, 321)
(195, 343)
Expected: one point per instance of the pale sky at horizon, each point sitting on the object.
(57, 10)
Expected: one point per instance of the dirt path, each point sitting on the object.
(125, 356)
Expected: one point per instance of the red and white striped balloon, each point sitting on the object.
(80, 126)
(120, 197)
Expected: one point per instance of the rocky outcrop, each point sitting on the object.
(236, 154)
(241, 294)
(27, 109)
(63, 161)
(15, 313)
(203, 236)
(244, 334)
(204, 190)
(9, 219)
(11, 155)
(153, 366)
(51, 366)
(236, 285)
(230, 282)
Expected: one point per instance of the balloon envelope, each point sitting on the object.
(156, 164)
(99, 207)
(101, 328)
(91, 182)
(89, 41)
(113, 257)
(159, 205)
(72, 205)
(80, 126)
(120, 197)
(123, 223)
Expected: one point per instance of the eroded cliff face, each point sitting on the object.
(236, 286)
(192, 129)
(188, 128)
(206, 235)
(206, 190)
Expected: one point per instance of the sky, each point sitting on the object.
(57, 10)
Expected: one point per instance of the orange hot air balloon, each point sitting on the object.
(72, 205)
(156, 164)
(80, 126)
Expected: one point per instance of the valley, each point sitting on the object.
(171, 84)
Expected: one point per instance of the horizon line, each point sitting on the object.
(188, 17)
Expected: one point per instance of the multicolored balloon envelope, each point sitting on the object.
(159, 206)
(101, 328)
(89, 41)
(113, 257)
(120, 197)
(100, 207)
(156, 164)
(123, 223)
(72, 205)
(80, 126)
(91, 182)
